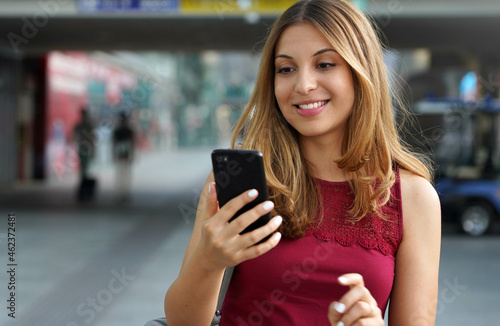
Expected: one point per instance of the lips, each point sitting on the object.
(312, 108)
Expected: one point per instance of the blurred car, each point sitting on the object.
(473, 204)
(464, 141)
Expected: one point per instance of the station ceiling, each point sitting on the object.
(475, 34)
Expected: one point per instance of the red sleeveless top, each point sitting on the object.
(294, 283)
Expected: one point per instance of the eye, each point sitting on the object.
(284, 70)
(326, 65)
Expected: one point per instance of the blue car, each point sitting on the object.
(473, 204)
(464, 141)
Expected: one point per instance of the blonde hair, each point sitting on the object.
(371, 144)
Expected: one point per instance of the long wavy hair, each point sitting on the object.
(371, 144)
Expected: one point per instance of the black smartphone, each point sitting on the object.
(237, 171)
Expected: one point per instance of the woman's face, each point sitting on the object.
(313, 83)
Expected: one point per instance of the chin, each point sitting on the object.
(311, 133)
(319, 132)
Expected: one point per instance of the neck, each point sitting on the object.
(321, 155)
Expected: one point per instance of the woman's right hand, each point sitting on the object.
(221, 244)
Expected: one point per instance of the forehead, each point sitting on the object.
(301, 36)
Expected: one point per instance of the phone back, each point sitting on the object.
(237, 171)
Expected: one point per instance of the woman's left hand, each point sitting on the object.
(357, 307)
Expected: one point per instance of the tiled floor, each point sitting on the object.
(108, 263)
(105, 262)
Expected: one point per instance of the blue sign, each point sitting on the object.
(96, 6)
(468, 87)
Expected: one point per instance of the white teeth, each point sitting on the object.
(312, 105)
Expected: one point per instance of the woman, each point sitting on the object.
(341, 183)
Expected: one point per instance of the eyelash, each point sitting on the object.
(328, 65)
(325, 66)
(282, 70)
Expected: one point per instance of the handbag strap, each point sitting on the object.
(222, 294)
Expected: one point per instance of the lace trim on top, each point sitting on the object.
(371, 232)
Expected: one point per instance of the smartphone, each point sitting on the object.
(237, 171)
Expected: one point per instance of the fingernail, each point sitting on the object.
(340, 323)
(209, 188)
(339, 306)
(342, 279)
(252, 193)
(268, 205)
(277, 236)
(277, 220)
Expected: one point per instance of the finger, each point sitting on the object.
(351, 279)
(338, 314)
(360, 310)
(260, 249)
(212, 206)
(241, 222)
(253, 237)
(357, 292)
(235, 204)
(356, 281)
(335, 311)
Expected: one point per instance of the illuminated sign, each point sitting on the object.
(210, 7)
(106, 6)
(234, 6)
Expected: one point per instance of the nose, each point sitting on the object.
(306, 82)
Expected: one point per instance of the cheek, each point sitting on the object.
(345, 90)
(280, 92)
(349, 84)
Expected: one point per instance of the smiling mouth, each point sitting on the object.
(311, 106)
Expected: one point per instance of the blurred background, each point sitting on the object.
(91, 249)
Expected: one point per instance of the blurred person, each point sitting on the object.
(123, 155)
(83, 134)
(341, 183)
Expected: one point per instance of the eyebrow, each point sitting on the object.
(315, 54)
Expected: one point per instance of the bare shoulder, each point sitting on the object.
(416, 188)
(420, 200)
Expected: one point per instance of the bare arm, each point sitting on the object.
(415, 290)
(214, 245)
